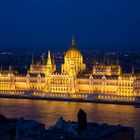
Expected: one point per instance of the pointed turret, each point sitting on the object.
(95, 62)
(73, 42)
(49, 62)
(106, 59)
(117, 60)
(50, 68)
(43, 59)
(133, 70)
(32, 59)
(49, 54)
(1, 68)
(53, 62)
(10, 68)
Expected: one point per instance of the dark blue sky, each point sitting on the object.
(97, 24)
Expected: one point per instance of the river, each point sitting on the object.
(49, 112)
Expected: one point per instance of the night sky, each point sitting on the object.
(97, 24)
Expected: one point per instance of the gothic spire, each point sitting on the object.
(32, 59)
(117, 59)
(1, 68)
(133, 70)
(49, 58)
(10, 68)
(53, 59)
(95, 60)
(43, 59)
(49, 54)
(73, 42)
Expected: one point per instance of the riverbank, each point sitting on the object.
(48, 112)
(20, 128)
(70, 99)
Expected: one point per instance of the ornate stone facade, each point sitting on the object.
(106, 81)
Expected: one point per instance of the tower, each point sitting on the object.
(133, 70)
(43, 59)
(50, 66)
(1, 68)
(73, 42)
(32, 59)
(53, 63)
(73, 61)
(117, 60)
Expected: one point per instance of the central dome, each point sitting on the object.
(73, 52)
(73, 61)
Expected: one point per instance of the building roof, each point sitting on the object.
(73, 52)
(93, 130)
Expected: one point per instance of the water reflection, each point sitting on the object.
(48, 112)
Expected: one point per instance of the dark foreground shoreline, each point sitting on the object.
(70, 100)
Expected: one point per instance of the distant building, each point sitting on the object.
(68, 130)
(20, 129)
(106, 81)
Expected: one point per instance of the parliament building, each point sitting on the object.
(105, 82)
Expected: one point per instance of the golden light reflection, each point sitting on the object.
(42, 79)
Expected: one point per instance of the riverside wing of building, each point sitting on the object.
(106, 81)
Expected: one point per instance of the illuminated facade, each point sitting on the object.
(105, 82)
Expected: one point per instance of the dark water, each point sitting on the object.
(48, 112)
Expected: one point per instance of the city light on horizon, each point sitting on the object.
(69, 70)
